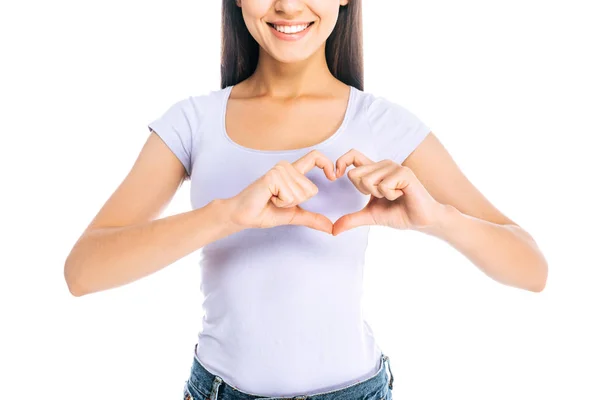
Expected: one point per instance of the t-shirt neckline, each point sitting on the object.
(325, 142)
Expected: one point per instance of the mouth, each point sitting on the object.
(287, 29)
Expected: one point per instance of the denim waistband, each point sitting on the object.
(213, 387)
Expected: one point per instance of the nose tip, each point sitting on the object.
(290, 7)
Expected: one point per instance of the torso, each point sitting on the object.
(283, 306)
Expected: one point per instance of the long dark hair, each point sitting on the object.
(343, 49)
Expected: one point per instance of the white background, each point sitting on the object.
(512, 90)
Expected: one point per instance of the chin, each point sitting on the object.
(290, 57)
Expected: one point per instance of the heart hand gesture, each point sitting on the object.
(398, 199)
(274, 198)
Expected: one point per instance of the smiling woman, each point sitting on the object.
(335, 31)
(284, 242)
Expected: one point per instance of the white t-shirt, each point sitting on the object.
(282, 306)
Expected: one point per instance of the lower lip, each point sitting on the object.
(290, 36)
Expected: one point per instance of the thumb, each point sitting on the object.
(310, 219)
(352, 220)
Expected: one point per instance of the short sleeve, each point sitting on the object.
(176, 127)
(396, 131)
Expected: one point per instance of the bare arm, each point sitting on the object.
(125, 242)
(108, 257)
(469, 222)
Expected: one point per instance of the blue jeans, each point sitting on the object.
(203, 385)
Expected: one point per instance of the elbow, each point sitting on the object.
(539, 283)
(73, 279)
(537, 288)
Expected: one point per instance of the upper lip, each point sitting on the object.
(289, 23)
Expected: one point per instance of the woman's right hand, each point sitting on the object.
(274, 198)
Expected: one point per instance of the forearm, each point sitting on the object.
(110, 257)
(506, 253)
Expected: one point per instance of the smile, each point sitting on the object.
(290, 29)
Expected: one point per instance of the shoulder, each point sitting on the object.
(182, 124)
(381, 110)
(384, 114)
(395, 130)
(193, 110)
(185, 115)
(201, 104)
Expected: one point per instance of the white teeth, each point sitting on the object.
(291, 28)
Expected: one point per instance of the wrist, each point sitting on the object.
(224, 209)
(442, 220)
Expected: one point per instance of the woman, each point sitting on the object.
(283, 242)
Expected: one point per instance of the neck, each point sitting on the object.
(289, 80)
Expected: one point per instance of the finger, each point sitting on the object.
(312, 159)
(352, 220)
(302, 185)
(281, 194)
(356, 175)
(369, 181)
(352, 157)
(391, 186)
(311, 220)
(300, 191)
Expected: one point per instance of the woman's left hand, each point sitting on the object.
(398, 199)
